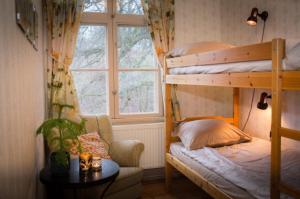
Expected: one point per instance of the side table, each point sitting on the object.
(77, 180)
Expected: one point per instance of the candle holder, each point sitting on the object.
(85, 161)
(96, 163)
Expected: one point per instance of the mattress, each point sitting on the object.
(252, 157)
(225, 185)
(291, 62)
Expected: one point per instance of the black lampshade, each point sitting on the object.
(262, 104)
(252, 20)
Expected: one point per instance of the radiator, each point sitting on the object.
(153, 137)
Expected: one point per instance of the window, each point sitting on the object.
(114, 68)
(95, 6)
(129, 7)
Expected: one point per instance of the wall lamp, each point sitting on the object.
(262, 104)
(252, 20)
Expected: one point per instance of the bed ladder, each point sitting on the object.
(277, 186)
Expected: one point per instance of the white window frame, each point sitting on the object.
(111, 19)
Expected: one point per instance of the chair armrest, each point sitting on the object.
(127, 153)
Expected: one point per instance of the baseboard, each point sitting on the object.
(157, 174)
(154, 174)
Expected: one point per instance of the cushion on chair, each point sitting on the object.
(103, 126)
(92, 143)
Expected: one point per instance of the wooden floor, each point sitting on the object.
(182, 188)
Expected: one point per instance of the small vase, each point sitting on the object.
(59, 168)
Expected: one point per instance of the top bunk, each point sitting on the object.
(251, 66)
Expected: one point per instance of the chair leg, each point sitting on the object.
(168, 175)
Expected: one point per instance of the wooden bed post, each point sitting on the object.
(168, 128)
(278, 49)
(236, 106)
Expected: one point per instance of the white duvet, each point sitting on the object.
(291, 62)
(247, 165)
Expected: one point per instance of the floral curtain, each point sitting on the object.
(63, 25)
(161, 23)
(160, 17)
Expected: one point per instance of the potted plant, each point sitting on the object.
(61, 135)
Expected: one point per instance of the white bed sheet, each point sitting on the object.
(252, 66)
(291, 62)
(225, 185)
(250, 159)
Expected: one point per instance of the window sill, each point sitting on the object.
(131, 120)
(140, 120)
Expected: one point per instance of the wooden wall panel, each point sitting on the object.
(21, 107)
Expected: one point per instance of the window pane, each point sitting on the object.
(91, 48)
(95, 6)
(92, 92)
(130, 7)
(137, 92)
(135, 48)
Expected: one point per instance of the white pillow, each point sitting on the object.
(199, 47)
(212, 133)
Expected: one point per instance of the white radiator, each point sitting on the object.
(152, 135)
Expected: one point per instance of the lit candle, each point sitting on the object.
(96, 163)
(85, 161)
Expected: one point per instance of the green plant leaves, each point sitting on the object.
(62, 134)
(62, 158)
(57, 132)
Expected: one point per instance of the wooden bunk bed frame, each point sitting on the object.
(277, 80)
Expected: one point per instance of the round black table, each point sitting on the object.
(77, 180)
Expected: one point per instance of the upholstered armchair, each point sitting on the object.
(127, 154)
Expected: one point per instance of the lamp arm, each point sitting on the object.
(254, 12)
(264, 15)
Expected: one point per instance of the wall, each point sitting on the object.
(21, 107)
(196, 21)
(284, 22)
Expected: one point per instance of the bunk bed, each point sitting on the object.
(275, 76)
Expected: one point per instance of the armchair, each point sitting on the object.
(127, 154)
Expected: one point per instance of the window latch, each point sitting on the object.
(114, 92)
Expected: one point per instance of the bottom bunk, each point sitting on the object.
(238, 171)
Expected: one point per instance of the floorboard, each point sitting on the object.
(182, 188)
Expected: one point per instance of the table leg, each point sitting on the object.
(75, 193)
(54, 192)
(106, 188)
